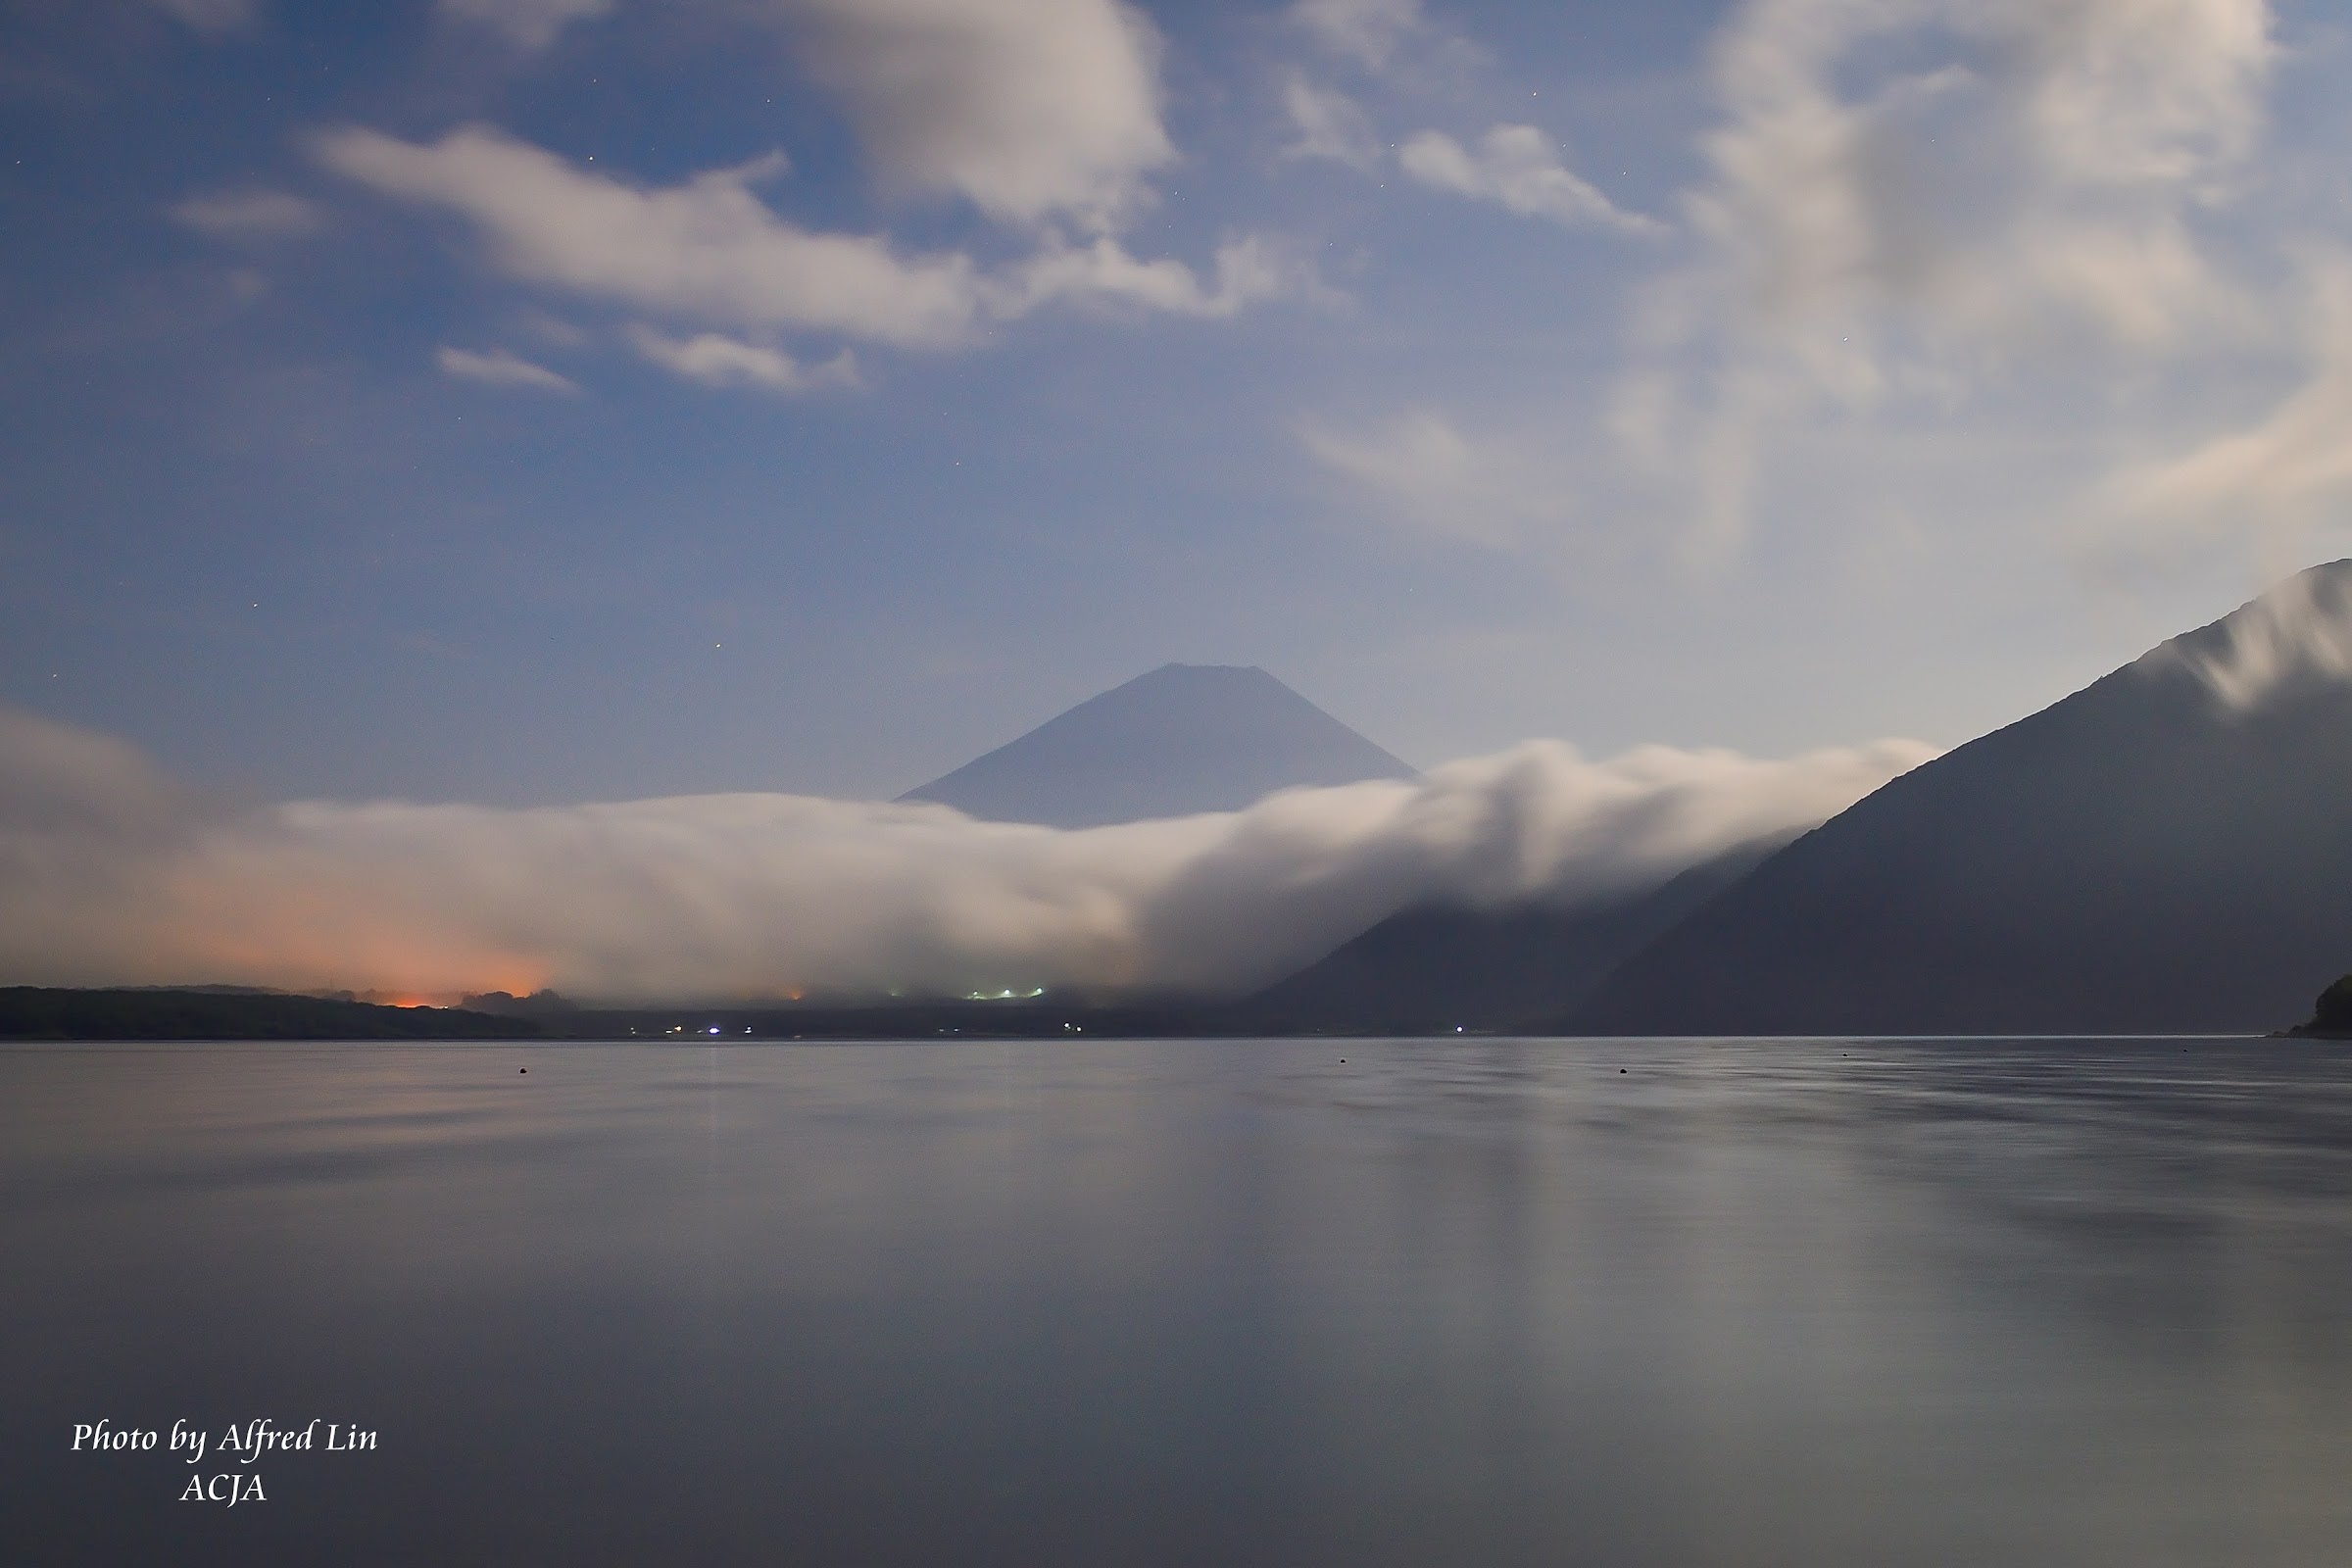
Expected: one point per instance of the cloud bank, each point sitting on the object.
(110, 875)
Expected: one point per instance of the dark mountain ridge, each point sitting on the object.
(1436, 968)
(2169, 850)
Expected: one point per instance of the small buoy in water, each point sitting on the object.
(1620, 1072)
(522, 1069)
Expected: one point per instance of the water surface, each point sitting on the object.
(1189, 1303)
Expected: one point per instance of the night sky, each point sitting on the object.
(541, 400)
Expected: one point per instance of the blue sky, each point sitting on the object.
(527, 401)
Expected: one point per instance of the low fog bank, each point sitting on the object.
(112, 875)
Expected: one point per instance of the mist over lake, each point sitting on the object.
(1490, 1301)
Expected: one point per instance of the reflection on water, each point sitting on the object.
(1595, 1303)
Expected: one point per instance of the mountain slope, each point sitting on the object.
(1183, 739)
(2168, 850)
(1432, 968)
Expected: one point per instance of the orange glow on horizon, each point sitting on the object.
(402, 998)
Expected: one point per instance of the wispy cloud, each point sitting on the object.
(1424, 469)
(2300, 628)
(2290, 469)
(715, 360)
(1519, 167)
(1247, 271)
(212, 15)
(248, 215)
(526, 24)
(501, 368)
(1329, 124)
(1366, 32)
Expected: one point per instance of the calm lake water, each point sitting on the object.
(1229, 1303)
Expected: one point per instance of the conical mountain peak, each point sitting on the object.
(1175, 741)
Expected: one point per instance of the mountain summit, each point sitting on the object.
(1181, 740)
(2170, 849)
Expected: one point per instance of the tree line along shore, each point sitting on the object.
(63, 1013)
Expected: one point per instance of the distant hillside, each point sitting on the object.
(2168, 850)
(1181, 740)
(29, 1013)
(2332, 1016)
(1432, 969)
(224, 1012)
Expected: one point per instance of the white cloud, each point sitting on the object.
(760, 894)
(715, 360)
(501, 368)
(211, 15)
(527, 24)
(2043, 157)
(708, 248)
(1368, 32)
(1329, 124)
(1518, 167)
(1908, 196)
(248, 215)
(1031, 109)
(1424, 469)
(1249, 270)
